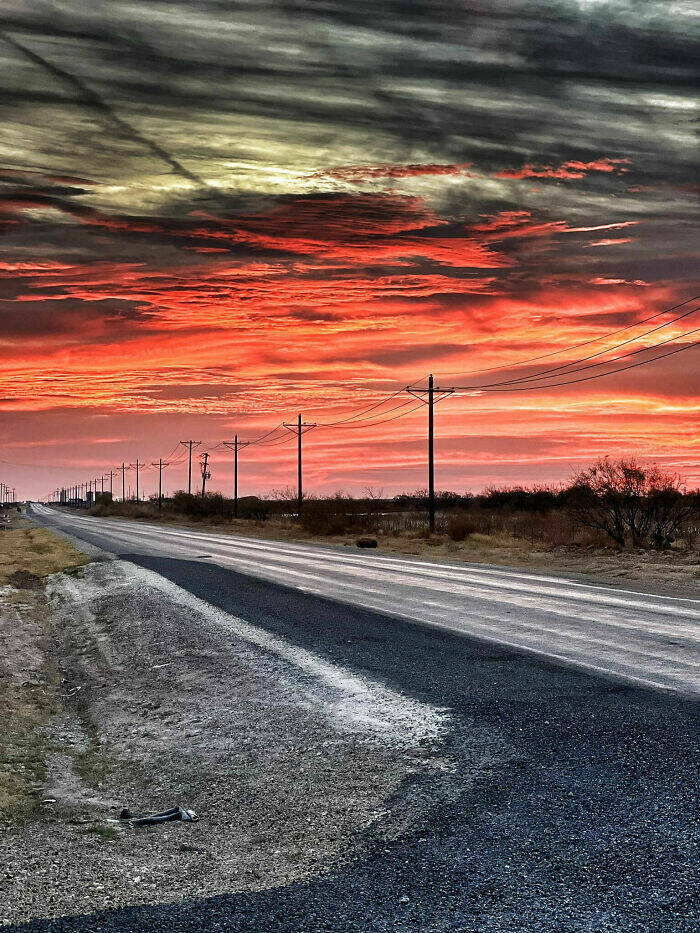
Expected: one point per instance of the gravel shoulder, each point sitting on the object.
(291, 762)
(352, 771)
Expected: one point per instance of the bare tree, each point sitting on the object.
(375, 499)
(635, 504)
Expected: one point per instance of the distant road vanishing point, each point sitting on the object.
(641, 639)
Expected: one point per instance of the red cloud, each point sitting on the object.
(567, 170)
(359, 173)
(613, 242)
(603, 280)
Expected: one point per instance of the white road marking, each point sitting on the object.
(644, 639)
(355, 703)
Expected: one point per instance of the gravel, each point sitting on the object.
(548, 799)
(289, 760)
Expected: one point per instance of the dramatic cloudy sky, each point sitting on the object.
(216, 214)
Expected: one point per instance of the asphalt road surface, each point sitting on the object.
(586, 822)
(650, 640)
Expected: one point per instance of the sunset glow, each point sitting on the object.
(215, 219)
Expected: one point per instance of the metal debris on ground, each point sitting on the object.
(175, 813)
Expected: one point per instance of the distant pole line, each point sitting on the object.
(190, 445)
(430, 395)
(236, 445)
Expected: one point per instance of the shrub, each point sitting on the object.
(253, 509)
(326, 516)
(633, 504)
(460, 526)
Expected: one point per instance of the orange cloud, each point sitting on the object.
(360, 173)
(573, 169)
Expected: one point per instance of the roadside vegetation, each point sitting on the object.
(29, 678)
(616, 518)
(29, 553)
(619, 503)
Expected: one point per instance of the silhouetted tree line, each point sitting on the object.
(627, 502)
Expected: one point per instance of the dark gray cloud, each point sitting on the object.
(149, 133)
(496, 82)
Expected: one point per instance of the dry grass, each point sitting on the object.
(28, 676)
(35, 552)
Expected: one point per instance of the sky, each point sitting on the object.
(215, 216)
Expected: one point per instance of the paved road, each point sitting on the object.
(584, 822)
(650, 640)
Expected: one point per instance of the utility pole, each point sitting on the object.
(137, 481)
(160, 465)
(236, 444)
(299, 427)
(111, 474)
(427, 396)
(190, 445)
(123, 481)
(205, 472)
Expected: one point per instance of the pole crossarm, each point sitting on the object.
(304, 426)
(418, 393)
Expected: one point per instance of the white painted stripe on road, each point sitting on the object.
(645, 639)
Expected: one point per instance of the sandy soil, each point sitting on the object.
(157, 700)
(28, 673)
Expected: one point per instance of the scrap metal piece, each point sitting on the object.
(175, 813)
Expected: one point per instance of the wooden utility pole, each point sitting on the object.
(299, 427)
(428, 397)
(123, 482)
(137, 481)
(205, 472)
(160, 466)
(190, 445)
(431, 454)
(236, 445)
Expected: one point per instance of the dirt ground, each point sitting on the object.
(28, 673)
(124, 691)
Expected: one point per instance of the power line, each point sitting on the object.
(543, 374)
(369, 424)
(331, 424)
(575, 346)
(620, 369)
(363, 417)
